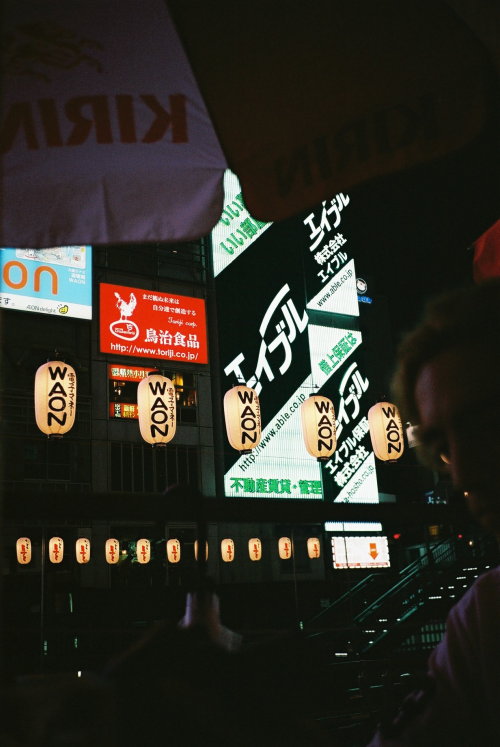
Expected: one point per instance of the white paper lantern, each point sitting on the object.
(285, 548)
(227, 550)
(313, 547)
(173, 551)
(196, 550)
(56, 549)
(112, 551)
(318, 426)
(386, 431)
(23, 550)
(82, 550)
(242, 416)
(143, 551)
(255, 548)
(55, 398)
(157, 409)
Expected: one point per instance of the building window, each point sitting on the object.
(50, 464)
(140, 468)
(185, 261)
(124, 380)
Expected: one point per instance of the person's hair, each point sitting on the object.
(466, 317)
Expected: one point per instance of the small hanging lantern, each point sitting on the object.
(285, 548)
(157, 409)
(227, 550)
(386, 431)
(56, 550)
(55, 398)
(313, 547)
(318, 426)
(173, 551)
(23, 550)
(112, 551)
(82, 550)
(196, 550)
(242, 415)
(255, 548)
(143, 551)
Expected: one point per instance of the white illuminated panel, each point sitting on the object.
(236, 229)
(360, 552)
(56, 280)
(353, 526)
(339, 295)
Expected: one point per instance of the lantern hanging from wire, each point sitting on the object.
(56, 549)
(82, 550)
(242, 416)
(55, 398)
(386, 431)
(227, 550)
(156, 406)
(173, 551)
(318, 426)
(255, 548)
(196, 550)
(143, 551)
(23, 550)
(112, 551)
(285, 548)
(313, 547)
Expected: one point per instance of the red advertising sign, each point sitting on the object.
(152, 324)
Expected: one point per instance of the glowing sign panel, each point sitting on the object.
(56, 280)
(152, 324)
(360, 552)
(298, 335)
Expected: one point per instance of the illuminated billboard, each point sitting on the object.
(236, 229)
(288, 323)
(152, 324)
(56, 280)
(360, 552)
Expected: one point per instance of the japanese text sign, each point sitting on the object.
(152, 324)
(56, 280)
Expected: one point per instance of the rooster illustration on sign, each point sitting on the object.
(126, 308)
(123, 327)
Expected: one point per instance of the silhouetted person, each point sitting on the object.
(448, 382)
(191, 685)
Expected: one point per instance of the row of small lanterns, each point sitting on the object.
(55, 408)
(143, 550)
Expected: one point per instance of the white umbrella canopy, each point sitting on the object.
(105, 137)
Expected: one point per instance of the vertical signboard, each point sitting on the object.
(56, 280)
(288, 328)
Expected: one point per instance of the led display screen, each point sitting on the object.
(288, 323)
(56, 280)
(152, 324)
(360, 552)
